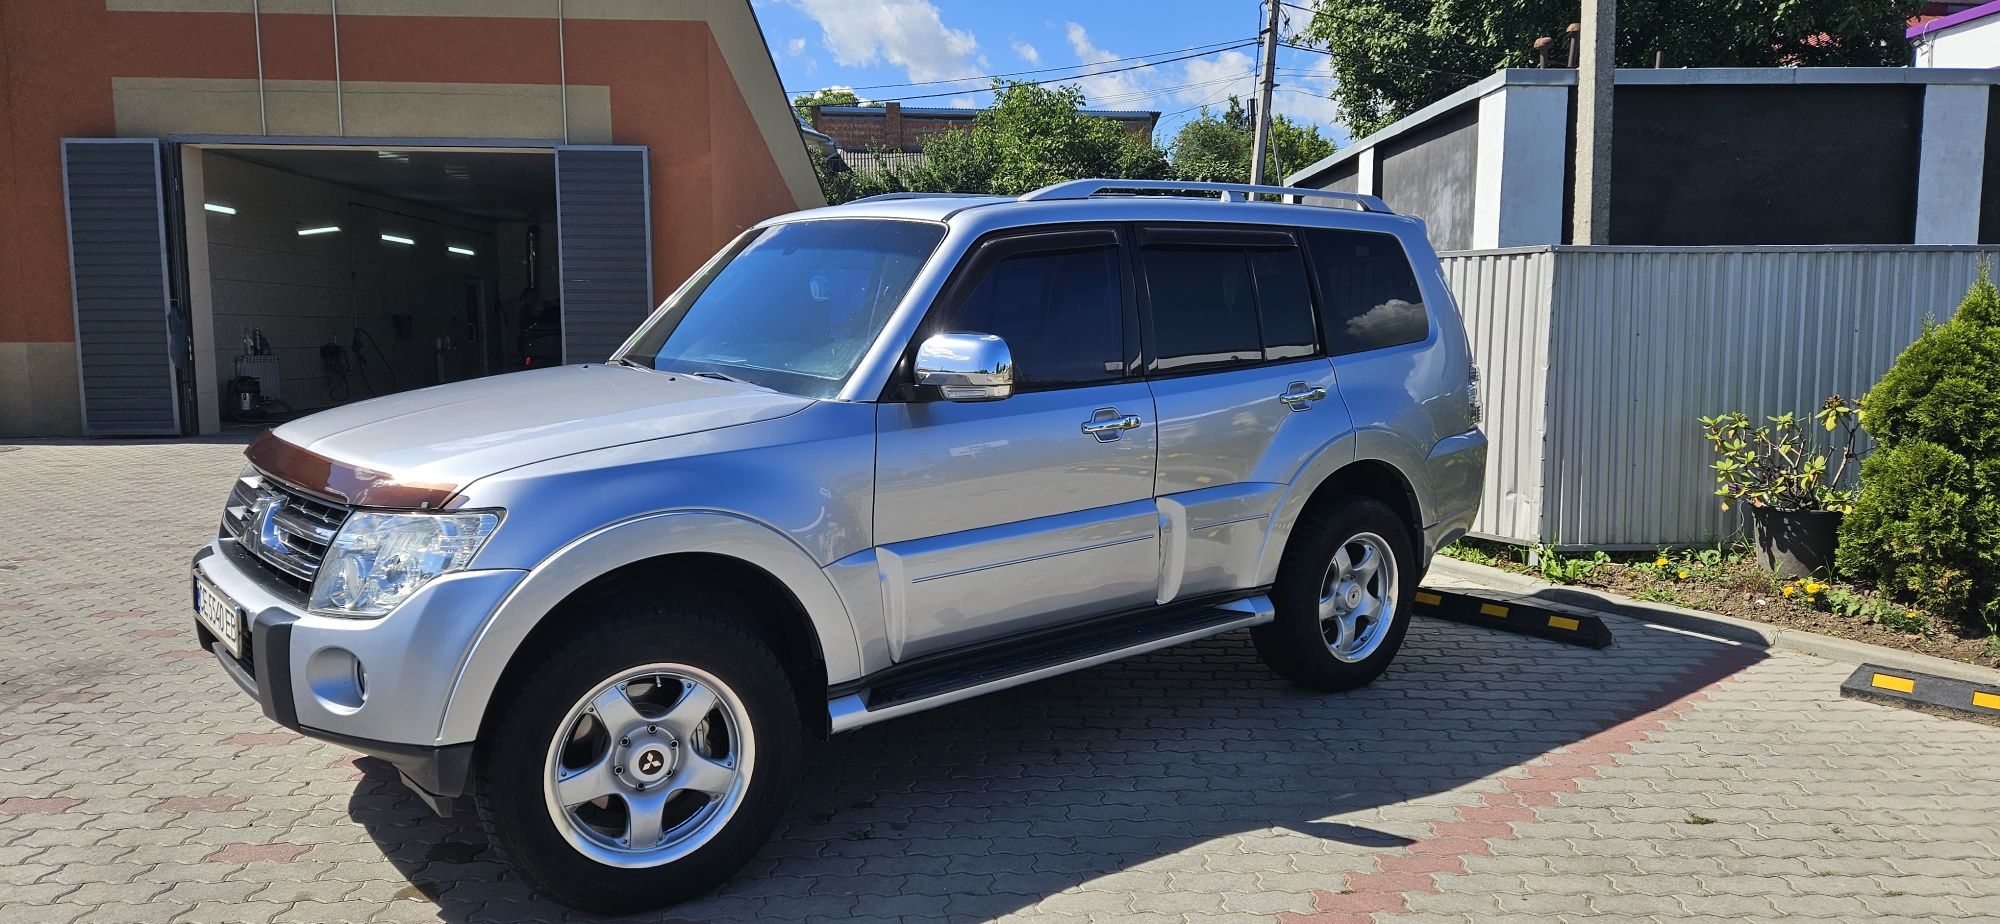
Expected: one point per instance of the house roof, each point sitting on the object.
(1961, 17)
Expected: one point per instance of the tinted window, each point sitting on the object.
(1284, 304)
(1204, 307)
(1368, 292)
(1059, 311)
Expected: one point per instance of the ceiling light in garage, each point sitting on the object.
(397, 240)
(329, 229)
(223, 209)
(467, 251)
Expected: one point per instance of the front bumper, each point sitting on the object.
(294, 664)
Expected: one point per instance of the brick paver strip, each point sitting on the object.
(1385, 893)
(258, 853)
(19, 805)
(1485, 776)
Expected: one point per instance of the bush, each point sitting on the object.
(1927, 524)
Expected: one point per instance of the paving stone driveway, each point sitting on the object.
(1486, 776)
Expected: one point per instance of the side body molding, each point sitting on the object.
(1354, 446)
(574, 565)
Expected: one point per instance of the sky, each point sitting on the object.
(942, 51)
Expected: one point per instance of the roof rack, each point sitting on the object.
(894, 196)
(1231, 192)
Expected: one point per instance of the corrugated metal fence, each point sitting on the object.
(1597, 361)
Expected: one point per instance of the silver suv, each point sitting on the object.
(869, 460)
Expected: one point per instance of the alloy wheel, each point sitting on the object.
(649, 765)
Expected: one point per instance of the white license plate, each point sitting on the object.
(220, 614)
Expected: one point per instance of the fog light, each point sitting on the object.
(337, 679)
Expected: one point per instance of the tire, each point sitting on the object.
(1300, 644)
(584, 855)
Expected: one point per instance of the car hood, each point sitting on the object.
(417, 448)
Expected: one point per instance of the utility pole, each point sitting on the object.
(1590, 222)
(1261, 139)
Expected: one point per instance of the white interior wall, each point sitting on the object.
(307, 291)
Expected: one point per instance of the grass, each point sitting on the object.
(1694, 819)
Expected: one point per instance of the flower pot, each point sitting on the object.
(1796, 543)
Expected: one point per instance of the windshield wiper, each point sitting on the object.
(720, 375)
(623, 361)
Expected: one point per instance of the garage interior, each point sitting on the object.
(336, 274)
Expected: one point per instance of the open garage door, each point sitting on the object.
(119, 282)
(603, 236)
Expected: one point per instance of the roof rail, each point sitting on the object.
(1231, 192)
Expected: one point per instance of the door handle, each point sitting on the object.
(1106, 425)
(1301, 397)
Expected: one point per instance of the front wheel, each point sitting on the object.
(1343, 592)
(641, 762)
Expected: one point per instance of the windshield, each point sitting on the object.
(794, 307)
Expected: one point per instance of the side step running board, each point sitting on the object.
(949, 683)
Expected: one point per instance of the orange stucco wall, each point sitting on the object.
(670, 88)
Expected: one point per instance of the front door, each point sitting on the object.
(999, 517)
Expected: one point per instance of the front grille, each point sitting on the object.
(285, 530)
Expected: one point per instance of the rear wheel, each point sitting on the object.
(1342, 595)
(643, 761)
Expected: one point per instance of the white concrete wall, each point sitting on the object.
(1519, 199)
(1968, 44)
(1951, 165)
(307, 291)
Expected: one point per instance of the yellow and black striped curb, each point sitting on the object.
(1945, 696)
(1512, 616)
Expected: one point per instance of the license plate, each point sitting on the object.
(220, 614)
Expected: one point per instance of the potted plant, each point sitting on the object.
(1796, 492)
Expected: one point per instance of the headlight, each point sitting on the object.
(379, 559)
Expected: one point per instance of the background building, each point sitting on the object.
(334, 200)
(892, 135)
(1957, 37)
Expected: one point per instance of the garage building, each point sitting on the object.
(226, 212)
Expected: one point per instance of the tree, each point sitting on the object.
(1217, 148)
(1393, 57)
(1032, 136)
(1927, 523)
(804, 104)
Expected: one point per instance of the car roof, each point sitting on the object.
(1112, 200)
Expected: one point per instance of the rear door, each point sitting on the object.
(999, 517)
(1243, 390)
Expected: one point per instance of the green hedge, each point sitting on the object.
(1927, 524)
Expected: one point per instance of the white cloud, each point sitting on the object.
(962, 102)
(1122, 90)
(905, 33)
(795, 47)
(1027, 52)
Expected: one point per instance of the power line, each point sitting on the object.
(1072, 77)
(1409, 30)
(1210, 48)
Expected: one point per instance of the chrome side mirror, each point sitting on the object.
(966, 366)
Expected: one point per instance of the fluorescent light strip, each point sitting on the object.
(329, 229)
(467, 251)
(221, 209)
(397, 240)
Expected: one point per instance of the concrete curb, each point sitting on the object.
(1450, 571)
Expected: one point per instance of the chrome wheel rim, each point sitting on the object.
(649, 766)
(1357, 599)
